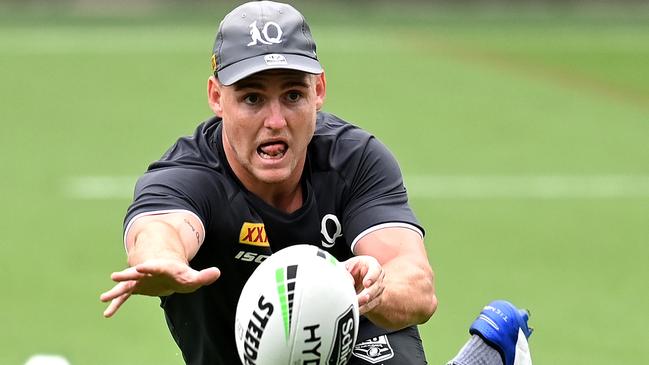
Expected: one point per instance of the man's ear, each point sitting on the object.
(214, 96)
(320, 90)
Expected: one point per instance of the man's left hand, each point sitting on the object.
(368, 281)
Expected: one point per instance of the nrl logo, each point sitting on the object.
(374, 350)
(262, 36)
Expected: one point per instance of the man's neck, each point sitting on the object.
(286, 201)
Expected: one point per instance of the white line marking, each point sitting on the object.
(43, 359)
(99, 187)
(527, 187)
(431, 187)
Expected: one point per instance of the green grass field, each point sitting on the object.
(523, 136)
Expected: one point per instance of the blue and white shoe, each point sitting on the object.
(504, 327)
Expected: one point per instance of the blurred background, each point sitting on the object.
(522, 128)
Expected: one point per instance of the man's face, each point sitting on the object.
(268, 121)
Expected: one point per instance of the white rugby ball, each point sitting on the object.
(298, 307)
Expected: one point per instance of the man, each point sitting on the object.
(268, 171)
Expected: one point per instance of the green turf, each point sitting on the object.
(476, 92)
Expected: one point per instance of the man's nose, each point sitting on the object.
(275, 118)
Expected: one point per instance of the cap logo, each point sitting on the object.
(214, 63)
(262, 36)
(275, 59)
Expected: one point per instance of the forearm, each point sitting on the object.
(176, 236)
(156, 240)
(159, 249)
(409, 294)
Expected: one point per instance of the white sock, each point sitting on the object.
(523, 355)
(477, 352)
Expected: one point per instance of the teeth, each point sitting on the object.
(272, 151)
(266, 155)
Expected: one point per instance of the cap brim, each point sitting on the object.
(242, 69)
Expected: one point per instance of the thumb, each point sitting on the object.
(351, 263)
(208, 276)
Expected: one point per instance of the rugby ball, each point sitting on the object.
(298, 307)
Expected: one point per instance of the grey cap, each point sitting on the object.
(263, 35)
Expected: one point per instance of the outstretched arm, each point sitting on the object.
(159, 250)
(393, 278)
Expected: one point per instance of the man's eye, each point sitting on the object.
(252, 99)
(293, 96)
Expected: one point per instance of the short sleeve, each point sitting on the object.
(377, 195)
(174, 188)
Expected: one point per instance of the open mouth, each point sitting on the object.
(272, 150)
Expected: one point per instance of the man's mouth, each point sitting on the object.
(272, 150)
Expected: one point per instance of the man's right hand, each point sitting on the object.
(155, 277)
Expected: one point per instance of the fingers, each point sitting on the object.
(156, 278)
(130, 273)
(117, 296)
(367, 300)
(373, 274)
(365, 269)
(357, 269)
(370, 296)
(181, 277)
(354, 265)
(169, 268)
(115, 304)
(368, 275)
(118, 290)
(374, 289)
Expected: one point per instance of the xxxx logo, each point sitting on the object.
(253, 234)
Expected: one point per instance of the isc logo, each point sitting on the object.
(250, 257)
